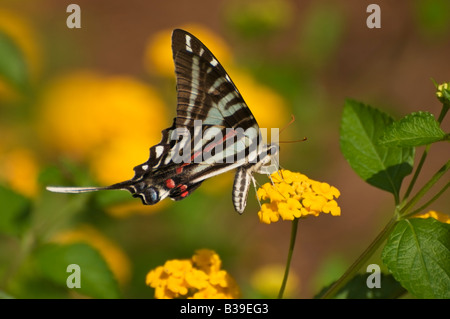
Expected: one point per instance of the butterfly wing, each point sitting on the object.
(205, 93)
(205, 90)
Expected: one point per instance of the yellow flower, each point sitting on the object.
(198, 277)
(294, 195)
(19, 169)
(109, 122)
(207, 260)
(23, 35)
(116, 259)
(268, 213)
(443, 218)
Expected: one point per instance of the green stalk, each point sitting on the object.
(435, 197)
(444, 111)
(354, 268)
(416, 173)
(405, 209)
(294, 228)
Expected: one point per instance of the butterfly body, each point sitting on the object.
(214, 132)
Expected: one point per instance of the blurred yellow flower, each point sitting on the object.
(111, 122)
(158, 53)
(19, 170)
(22, 33)
(443, 218)
(198, 277)
(266, 281)
(294, 195)
(115, 257)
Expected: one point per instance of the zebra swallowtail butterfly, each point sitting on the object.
(205, 93)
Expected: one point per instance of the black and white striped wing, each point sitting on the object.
(205, 90)
(207, 94)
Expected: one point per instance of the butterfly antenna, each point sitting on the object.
(289, 124)
(286, 126)
(295, 141)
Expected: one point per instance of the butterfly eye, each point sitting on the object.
(151, 196)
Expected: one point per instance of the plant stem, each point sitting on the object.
(294, 228)
(424, 155)
(354, 268)
(424, 189)
(416, 173)
(421, 208)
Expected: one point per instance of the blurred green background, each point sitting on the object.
(83, 106)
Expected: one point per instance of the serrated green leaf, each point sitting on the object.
(97, 280)
(14, 211)
(13, 67)
(415, 129)
(418, 255)
(380, 166)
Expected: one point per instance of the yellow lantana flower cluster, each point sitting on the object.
(200, 277)
(294, 195)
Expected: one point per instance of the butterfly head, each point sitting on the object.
(267, 159)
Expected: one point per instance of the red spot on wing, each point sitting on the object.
(179, 169)
(184, 194)
(170, 183)
(183, 187)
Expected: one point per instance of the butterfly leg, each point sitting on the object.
(256, 190)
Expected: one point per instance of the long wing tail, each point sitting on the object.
(127, 185)
(74, 190)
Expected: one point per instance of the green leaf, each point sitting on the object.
(13, 67)
(357, 288)
(418, 255)
(97, 280)
(415, 129)
(380, 166)
(14, 211)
